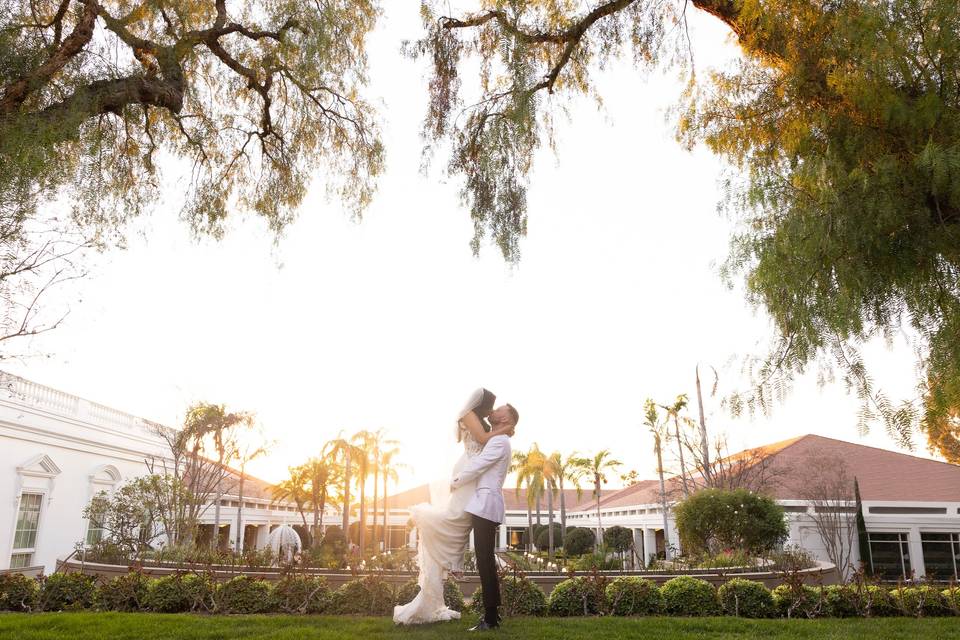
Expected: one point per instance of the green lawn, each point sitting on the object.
(137, 626)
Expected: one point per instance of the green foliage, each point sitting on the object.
(618, 539)
(242, 594)
(452, 595)
(632, 596)
(578, 596)
(688, 596)
(712, 520)
(726, 559)
(794, 601)
(66, 592)
(877, 602)
(842, 601)
(369, 595)
(745, 598)
(18, 592)
(180, 593)
(597, 560)
(123, 593)
(301, 594)
(518, 597)
(579, 541)
(543, 537)
(951, 596)
(923, 601)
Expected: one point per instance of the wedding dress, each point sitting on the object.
(443, 529)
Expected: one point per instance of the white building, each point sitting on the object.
(57, 451)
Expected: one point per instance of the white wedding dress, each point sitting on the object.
(443, 529)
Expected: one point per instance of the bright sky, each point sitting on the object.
(392, 323)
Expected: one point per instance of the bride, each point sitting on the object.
(443, 526)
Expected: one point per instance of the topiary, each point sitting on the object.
(18, 592)
(576, 597)
(579, 541)
(630, 596)
(746, 599)
(179, 592)
(543, 537)
(842, 601)
(242, 594)
(714, 519)
(123, 593)
(689, 596)
(300, 594)
(797, 602)
(66, 592)
(618, 539)
(369, 595)
(518, 597)
(452, 595)
(920, 602)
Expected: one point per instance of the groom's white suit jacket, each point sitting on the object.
(490, 468)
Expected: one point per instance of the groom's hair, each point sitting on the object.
(513, 414)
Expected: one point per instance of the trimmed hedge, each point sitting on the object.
(369, 595)
(578, 596)
(18, 592)
(301, 594)
(179, 593)
(123, 593)
(746, 599)
(689, 596)
(452, 595)
(67, 592)
(579, 541)
(243, 594)
(791, 602)
(633, 596)
(921, 602)
(518, 597)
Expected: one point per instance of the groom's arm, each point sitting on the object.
(492, 452)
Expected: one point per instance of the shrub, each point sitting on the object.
(576, 597)
(842, 601)
(877, 602)
(630, 596)
(715, 519)
(369, 595)
(518, 597)
(618, 539)
(579, 541)
(123, 593)
(179, 593)
(300, 594)
(599, 560)
(67, 592)
(452, 595)
(726, 559)
(18, 592)
(922, 601)
(543, 537)
(688, 596)
(242, 594)
(746, 599)
(952, 597)
(797, 602)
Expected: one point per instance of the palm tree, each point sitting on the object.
(520, 466)
(343, 452)
(388, 470)
(598, 467)
(673, 412)
(367, 443)
(294, 489)
(658, 429)
(572, 469)
(379, 446)
(322, 474)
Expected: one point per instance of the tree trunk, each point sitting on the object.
(376, 488)
(596, 543)
(550, 518)
(563, 514)
(215, 543)
(663, 501)
(539, 501)
(346, 496)
(386, 530)
(704, 441)
(683, 466)
(529, 529)
(239, 546)
(363, 514)
(323, 506)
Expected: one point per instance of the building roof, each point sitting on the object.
(883, 475)
(512, 501)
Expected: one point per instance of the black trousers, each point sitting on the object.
(484, 542)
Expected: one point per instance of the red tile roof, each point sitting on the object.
(511, 500)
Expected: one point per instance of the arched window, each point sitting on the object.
(103, 480)
(35, 481)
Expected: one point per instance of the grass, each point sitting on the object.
(118, 626)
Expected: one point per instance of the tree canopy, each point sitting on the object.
(251, 97)
(840, 124)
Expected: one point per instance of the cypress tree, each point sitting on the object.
(862, 540)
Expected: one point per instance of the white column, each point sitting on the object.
(649, 543)
(471, 547)
(916, 552)
(412, 543)
(503, 536)
(639, 547)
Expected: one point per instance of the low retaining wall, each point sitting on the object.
(823, 573)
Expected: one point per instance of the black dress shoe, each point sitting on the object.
(483, 625)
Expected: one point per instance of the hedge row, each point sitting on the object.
(585, 595)
(196, 592)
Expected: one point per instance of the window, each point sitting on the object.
(25, 535)
(909, 510)
(890, 555)
(94, 532)
(941, 555)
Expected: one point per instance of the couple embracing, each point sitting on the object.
(471, 501)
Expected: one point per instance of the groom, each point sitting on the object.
(486, 508)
